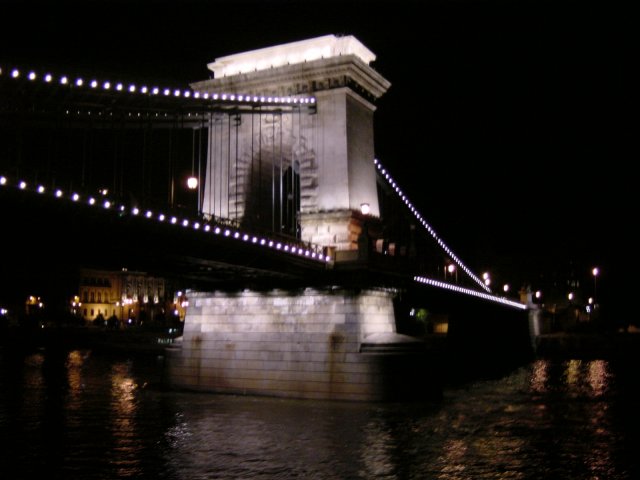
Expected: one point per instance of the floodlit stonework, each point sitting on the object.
(303, 344)
(329, 145)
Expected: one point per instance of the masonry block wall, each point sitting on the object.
(303, 344)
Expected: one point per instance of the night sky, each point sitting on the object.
(508, 123)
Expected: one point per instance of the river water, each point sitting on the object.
(83, 415)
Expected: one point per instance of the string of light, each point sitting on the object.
(468, 291)
(106, 85)
(426, 225)
(108, 204)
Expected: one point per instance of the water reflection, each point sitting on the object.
(124, 429)
(79, 415)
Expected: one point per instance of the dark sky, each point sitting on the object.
(508, 122)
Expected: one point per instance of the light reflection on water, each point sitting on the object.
(80, 415)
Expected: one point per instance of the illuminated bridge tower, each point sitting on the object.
(306, 172)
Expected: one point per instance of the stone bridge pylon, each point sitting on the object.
(305, 172)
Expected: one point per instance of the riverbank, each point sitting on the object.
(586, 346)
(130, 340)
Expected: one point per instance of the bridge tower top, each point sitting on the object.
(303, 51)
(337, 173)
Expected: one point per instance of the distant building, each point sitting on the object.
(131, 297)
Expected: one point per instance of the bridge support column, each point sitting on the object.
(320, 344)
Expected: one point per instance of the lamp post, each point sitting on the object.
(451, 268)
(595, 272)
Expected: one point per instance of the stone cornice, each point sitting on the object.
(303, 78)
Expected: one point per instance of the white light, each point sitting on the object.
(262, 241)
(75, 197)
(155, 90)
(505, 287)
(207, 228)
(149, 214)
(595, 272)
(187, 93)
(40, 189)
(185, 223)
(590, 300)
(254, 240)
(48, 78)
(161, 217)
(216, 230)
(538, 294)
(64, 80)
(192, 183)
(236, 235)
(132, 88)
(119, 87)
(32, 75)
(15, 73)
(79, 82)
(167, 92)
(106, 85)
(3, 180)
(227, 233)
(451, 268)
(135, 211)
(107, 204)
(94, 83)
(174, 220)
(92, 201)
(23, 185)
(365, 208)
(570, 296)
(144, 90)
(485, 275)
(176, 93)
(278, 246)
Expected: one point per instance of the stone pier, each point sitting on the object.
(316, 344)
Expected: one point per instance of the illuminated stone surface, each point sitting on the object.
(330, 147)
(304, 344)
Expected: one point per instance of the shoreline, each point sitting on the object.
(589, 346)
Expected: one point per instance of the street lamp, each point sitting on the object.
(595, 272)
(192, 183)
(451, 268)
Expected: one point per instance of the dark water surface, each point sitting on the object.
(83, 415)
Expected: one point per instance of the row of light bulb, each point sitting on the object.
(161, 217)
(468, 291)
(428, 227)
(167, 92)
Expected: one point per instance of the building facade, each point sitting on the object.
(132, 298)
